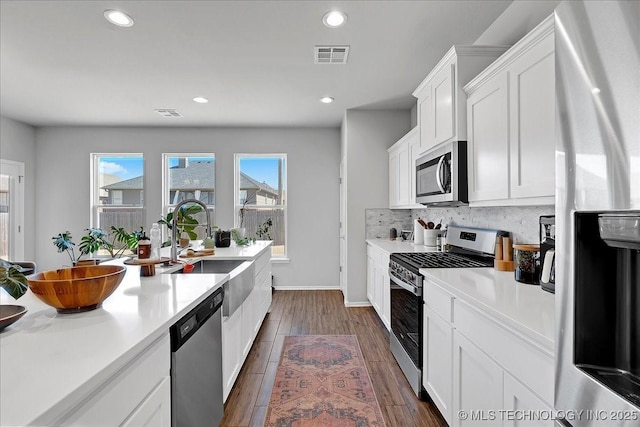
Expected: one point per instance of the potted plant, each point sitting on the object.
(12, 280)
(96, 239)
(185, 222)
(115, 242)
(64, 243)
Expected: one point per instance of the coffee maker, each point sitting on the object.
(547, 253)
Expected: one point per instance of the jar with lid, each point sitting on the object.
(527, 258)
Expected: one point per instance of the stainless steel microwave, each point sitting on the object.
(441, 175)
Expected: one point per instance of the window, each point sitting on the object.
(117, 191)
(189, 176)
(261, 198)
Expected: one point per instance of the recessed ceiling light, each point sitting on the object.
(334, 19)
(326, 100)
(118, 18)
(200, 100)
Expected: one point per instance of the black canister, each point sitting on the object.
(222, 238)
(393, 234)
(527, 258)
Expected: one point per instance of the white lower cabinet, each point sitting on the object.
(479, 371)
(378, 286)
(137, 395)
(155, 411)
(437, 368)
(477, 385)
(241, 328)
(523, 406)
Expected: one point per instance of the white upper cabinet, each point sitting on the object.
(402, 176)
(511, 122)
(441, 100)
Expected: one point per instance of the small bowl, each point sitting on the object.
(76, 289)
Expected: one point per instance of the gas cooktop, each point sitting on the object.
(417, 260)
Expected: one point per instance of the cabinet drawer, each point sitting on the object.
(117, 398)
(438, 300)
(524, 360)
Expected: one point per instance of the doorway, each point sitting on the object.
(11, 210)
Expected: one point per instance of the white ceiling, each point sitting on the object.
(62, 63)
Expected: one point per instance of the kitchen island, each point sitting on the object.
(65, 369)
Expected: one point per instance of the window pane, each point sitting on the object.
(261, 199)
(262, 180)
(118, 195)
(191, 178)
(120, 180)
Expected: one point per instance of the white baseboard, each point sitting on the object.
(357, 304)
(306, 288)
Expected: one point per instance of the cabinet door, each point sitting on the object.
(385, 290)
(155, 410)
(394, 179)
(488, 145)
(519, 399)
(477, 385)
(532, 106)
(437, 369)
(404, 176)
(414, 153)
(231, 350)
(425, 120)
(444, 104)
(371, 279)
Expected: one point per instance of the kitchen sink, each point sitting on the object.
(240, 284)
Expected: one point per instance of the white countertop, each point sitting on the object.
(391, 246)
(49, 361)
(525, 308)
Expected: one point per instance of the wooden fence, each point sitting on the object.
(255, 217)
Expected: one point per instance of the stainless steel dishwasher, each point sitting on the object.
(196, 365)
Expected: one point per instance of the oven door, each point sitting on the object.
(406, 330)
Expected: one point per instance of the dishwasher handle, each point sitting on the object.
(184, 328)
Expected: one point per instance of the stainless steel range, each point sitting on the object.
(468, 248)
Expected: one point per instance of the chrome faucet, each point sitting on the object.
(174, 225)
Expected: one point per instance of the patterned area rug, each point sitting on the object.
(322, 381)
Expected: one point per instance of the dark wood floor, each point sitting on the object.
(324, 313)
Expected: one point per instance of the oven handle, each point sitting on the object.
(414, 290)
(439, 173)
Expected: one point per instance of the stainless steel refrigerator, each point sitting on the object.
(598, 212)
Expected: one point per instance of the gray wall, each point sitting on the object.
(18, 143)
(517, 20)
(63, 193)
(366, 136)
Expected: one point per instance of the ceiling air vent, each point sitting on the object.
(168, 112)
(331, 54)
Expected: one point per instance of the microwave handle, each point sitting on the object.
(439, 174)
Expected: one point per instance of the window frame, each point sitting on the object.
(95, 191)
(236, 196)
(167, 204)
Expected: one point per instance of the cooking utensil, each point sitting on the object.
(431, 225)
(422, 223)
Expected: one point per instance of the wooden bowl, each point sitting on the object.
(76, 289)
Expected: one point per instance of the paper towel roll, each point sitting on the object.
(418, 234)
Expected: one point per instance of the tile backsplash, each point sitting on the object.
(521, 221)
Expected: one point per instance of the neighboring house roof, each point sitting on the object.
(127, 184)
(196, 176)
(246, 182)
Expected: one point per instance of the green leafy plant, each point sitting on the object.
(64, 243)
(186, 223)
(115, 242)
(12, 280)
(263, 230)
(240, 241)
